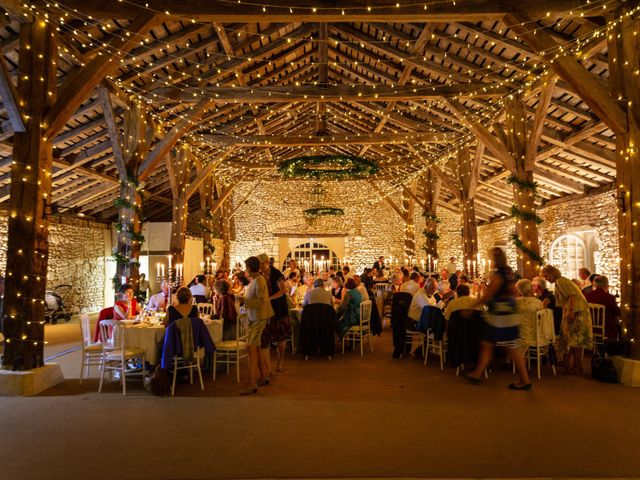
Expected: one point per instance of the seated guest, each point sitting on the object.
(301, 291)
(367, 278)
(591, 286)
(349, 309)
(225, 306)
(463, 279)
(396, 283)
(162, 300)
(601, 296)
(445, 294)
(317, 294)
(126, 307)
(361, 288)
(412, 285)
(291, 283)
(462, 301)
(143, 288)
(346, 272)
(183, 309)
(584, 282)
(422, 298)
(199, 289)
(527, 306)
(240, 281)
(337, 290)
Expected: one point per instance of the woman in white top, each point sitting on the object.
(527, 305)
(259, 311)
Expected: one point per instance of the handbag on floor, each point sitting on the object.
(602, 369)
(159, 382)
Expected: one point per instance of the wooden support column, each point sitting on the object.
(623, 48)
(466, 170)
(28, 245)
(179, 165)
(209, 229)
(408, 204)
(222, 203)
(431, 188)
(129, 148)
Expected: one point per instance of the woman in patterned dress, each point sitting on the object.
(576, 334)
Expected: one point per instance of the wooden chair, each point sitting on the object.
(115, 353)
(205, 309)
(359, 332)
(232, 351)
(543, 340)
(91, 351)
(184, 363)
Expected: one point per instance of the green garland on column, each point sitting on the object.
(526, 250)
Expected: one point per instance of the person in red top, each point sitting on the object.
(225, 308)
(126, 307)
(601, 296)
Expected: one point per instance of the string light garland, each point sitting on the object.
(535, 256)
(328, 167)
(524, 215)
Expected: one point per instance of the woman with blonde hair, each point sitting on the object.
(527, 306)
(503, 322)
(575, 328)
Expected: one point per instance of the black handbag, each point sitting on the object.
(602, 369)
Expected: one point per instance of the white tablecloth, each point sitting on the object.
(149, 337)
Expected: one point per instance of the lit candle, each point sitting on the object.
(468, 266)
(208, 265)
(429, 262)
(169, 257)
(474, 267)
(162, 269)
(157, 269)
(435, 264)
(489, 265)
(484, 265)
(202, 266)
(423, 263)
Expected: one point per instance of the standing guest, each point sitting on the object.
(576, 319)
(451, 266)
(411, 286)
(143, 288)
(259, 311)
(527, 306)
(162, 300)
(502, 328)
(453, 279)
(318, 294)
(349, 309)
(278, 328)
(462, 301)
(199, 289)
(600, 295)
(225, 306)
(292, 268)
(422, 298)
(183, 309)
(127, 306)
(379, 265)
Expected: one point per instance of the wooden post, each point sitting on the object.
(431, 186)
(467, 180)
(28, 246)
(208, 227)
(623, 48)
(524, 195)
(225, 223)
(408, 204)
(129, 150)
(179, 165)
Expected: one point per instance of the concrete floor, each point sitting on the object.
(348, 417)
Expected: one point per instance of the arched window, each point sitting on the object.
(313, 251)
(568, 253)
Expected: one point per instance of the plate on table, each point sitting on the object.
(128, 321)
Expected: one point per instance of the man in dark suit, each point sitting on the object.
(379, 264)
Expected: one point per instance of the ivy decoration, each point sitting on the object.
(526, 216)
(431, 216)
(522, 184)
(431, 235)
(316, 212)
(328, 167)
(526, 250)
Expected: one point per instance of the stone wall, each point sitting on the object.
(450, 233)
(591, 217)
(76, 257)
(370, 226)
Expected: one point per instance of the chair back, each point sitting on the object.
(205, 309)
(112, 334)
(365, 313)
(381, 287)
(400, 306)
(597, 323)
(545, 331)
(85, 329)
(242, 327)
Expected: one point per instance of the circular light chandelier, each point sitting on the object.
(328, 167)
(316, 212)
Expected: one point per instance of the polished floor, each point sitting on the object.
(345, 417)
